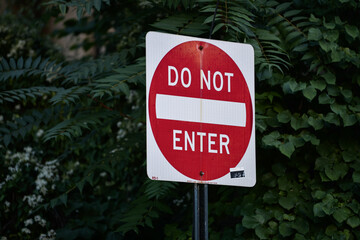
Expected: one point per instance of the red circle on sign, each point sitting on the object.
(216, 147)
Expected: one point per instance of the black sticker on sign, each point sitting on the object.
(237, 174)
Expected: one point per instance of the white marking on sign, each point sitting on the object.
(200, 110)
(212, 140)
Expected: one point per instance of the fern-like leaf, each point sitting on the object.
(118, 82)
(69, 95)
(21, 126)
(44, 68)
(185, 24)
(81, 6)
(78, 71)
(158, 189)
(24, 93)
(73, 127)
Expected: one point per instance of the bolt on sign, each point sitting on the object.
(200, 110)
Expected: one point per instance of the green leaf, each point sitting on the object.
(318, 84)
(272, 139)
(285, 229)
(279, 169)
(347, 93)
(349, 119)
(336, 171)
(318, 210)
(332, 118)
(309, 92)
(332, 36)
(5, 64)
(301, 225)
(348, 156)
(325, 99)
(36, 62)
(124, 88)
(319, 194)
(63, 198)
(7, 139)
(270, 198)
(330, 25)
(20, 63)
(12, 64)
(80, 185)
(353, 221)
(54, 202)
(287, 202)
(262, 232)
(336, 56)
(338, 109)
(250, 222)
(342, 214)
(299, 237)
(299, 122)
(353, 31)
(314, 34)
(284, 116)
(316, 123)
(283, 6)
(79, 12)
(297, 141)
(326, 46)
(97, 4)
(331, 230)
(287, 149)
(62, 9)
(28, 62)
(329, 78)
(356, 177)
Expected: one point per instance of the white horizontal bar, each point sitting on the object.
(200, 110)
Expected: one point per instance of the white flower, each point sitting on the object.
(3, 238)
(144, 4)
(103, 174)
(28, 149)
(7, 204)
(41, 186)
(43, 237)
(37, 218)
(42, 222)
(1, 120)
(26, 230)
(28, 222)
(33, 200)
(39, 133)
(9, 178)
(120, 134)
(52, 233)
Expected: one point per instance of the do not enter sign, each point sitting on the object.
(200, 110)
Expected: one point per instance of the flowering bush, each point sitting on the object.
(27, 184)
(72, 133)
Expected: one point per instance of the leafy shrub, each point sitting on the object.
(73, 133)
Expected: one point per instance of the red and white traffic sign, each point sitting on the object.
(200, 110)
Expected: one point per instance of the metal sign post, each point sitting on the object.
(200, 225)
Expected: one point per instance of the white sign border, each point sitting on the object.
(158, 168)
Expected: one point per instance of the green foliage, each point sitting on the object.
(72, 133)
